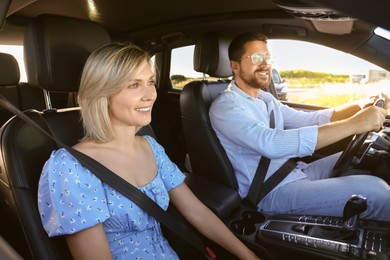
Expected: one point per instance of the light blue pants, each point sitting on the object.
(320, 195)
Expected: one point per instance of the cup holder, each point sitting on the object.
(253, 216)
(242, 227)
(246, 225)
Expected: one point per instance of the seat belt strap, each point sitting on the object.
(252, 197)
(141, 199)
(276, 178)
(259, 189)
(123, 187)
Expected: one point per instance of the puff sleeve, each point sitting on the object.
(70, 198)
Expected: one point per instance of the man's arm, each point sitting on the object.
(344, 112)
(349, 110)
(368, 119)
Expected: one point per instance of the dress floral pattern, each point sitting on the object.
(71, 199)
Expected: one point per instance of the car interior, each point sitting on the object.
(21, 189)
(58, 36)
(9, 78)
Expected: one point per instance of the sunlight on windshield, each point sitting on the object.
(382, 32)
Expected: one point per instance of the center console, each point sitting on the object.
(297, 236)
(327, 234)
(314, 235)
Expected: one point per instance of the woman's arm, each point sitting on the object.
(90, 243)
(207, 222)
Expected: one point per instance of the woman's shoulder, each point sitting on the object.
(157, 149)
(68, 191)
(62, 164)
(60, 156)
(152, 142)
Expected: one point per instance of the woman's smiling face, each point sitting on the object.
(132, 105)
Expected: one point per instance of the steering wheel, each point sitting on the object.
(345, 159)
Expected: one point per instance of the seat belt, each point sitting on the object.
(142, 200)
(259, 189)
(251, 198)
(125, 188)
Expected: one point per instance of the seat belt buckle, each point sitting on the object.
(248, 203)
(210, 254)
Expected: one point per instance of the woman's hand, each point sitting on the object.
(206, 222)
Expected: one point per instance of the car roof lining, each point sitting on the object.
(174, 29)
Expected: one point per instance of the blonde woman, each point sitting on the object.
(117, 92)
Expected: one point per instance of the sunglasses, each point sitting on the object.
(258, 58)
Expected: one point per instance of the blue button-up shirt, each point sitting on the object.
(242, 124)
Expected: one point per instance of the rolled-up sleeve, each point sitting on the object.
(307, 140)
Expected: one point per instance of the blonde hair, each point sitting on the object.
(104, 73)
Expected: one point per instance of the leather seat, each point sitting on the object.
(22, 95)
(207, 156)
(55, 51)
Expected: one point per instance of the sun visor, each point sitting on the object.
(325, 20)
(334, 26)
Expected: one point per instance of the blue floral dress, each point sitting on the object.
(71, 199)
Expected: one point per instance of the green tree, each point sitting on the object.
(178, 78)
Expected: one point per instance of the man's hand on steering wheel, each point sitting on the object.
(366, 120)
(373, 100)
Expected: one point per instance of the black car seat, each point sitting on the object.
(55, 51)
(207, 156)
(22, 95)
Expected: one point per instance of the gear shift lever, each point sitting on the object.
(354, 206)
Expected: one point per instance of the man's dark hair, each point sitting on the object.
(236, 47)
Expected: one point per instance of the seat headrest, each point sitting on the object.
(9, 70)
(56, 48)
(211, 56)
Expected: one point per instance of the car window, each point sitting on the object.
(182, 69)
(317, 75)
(17, 52)
(310, 74)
